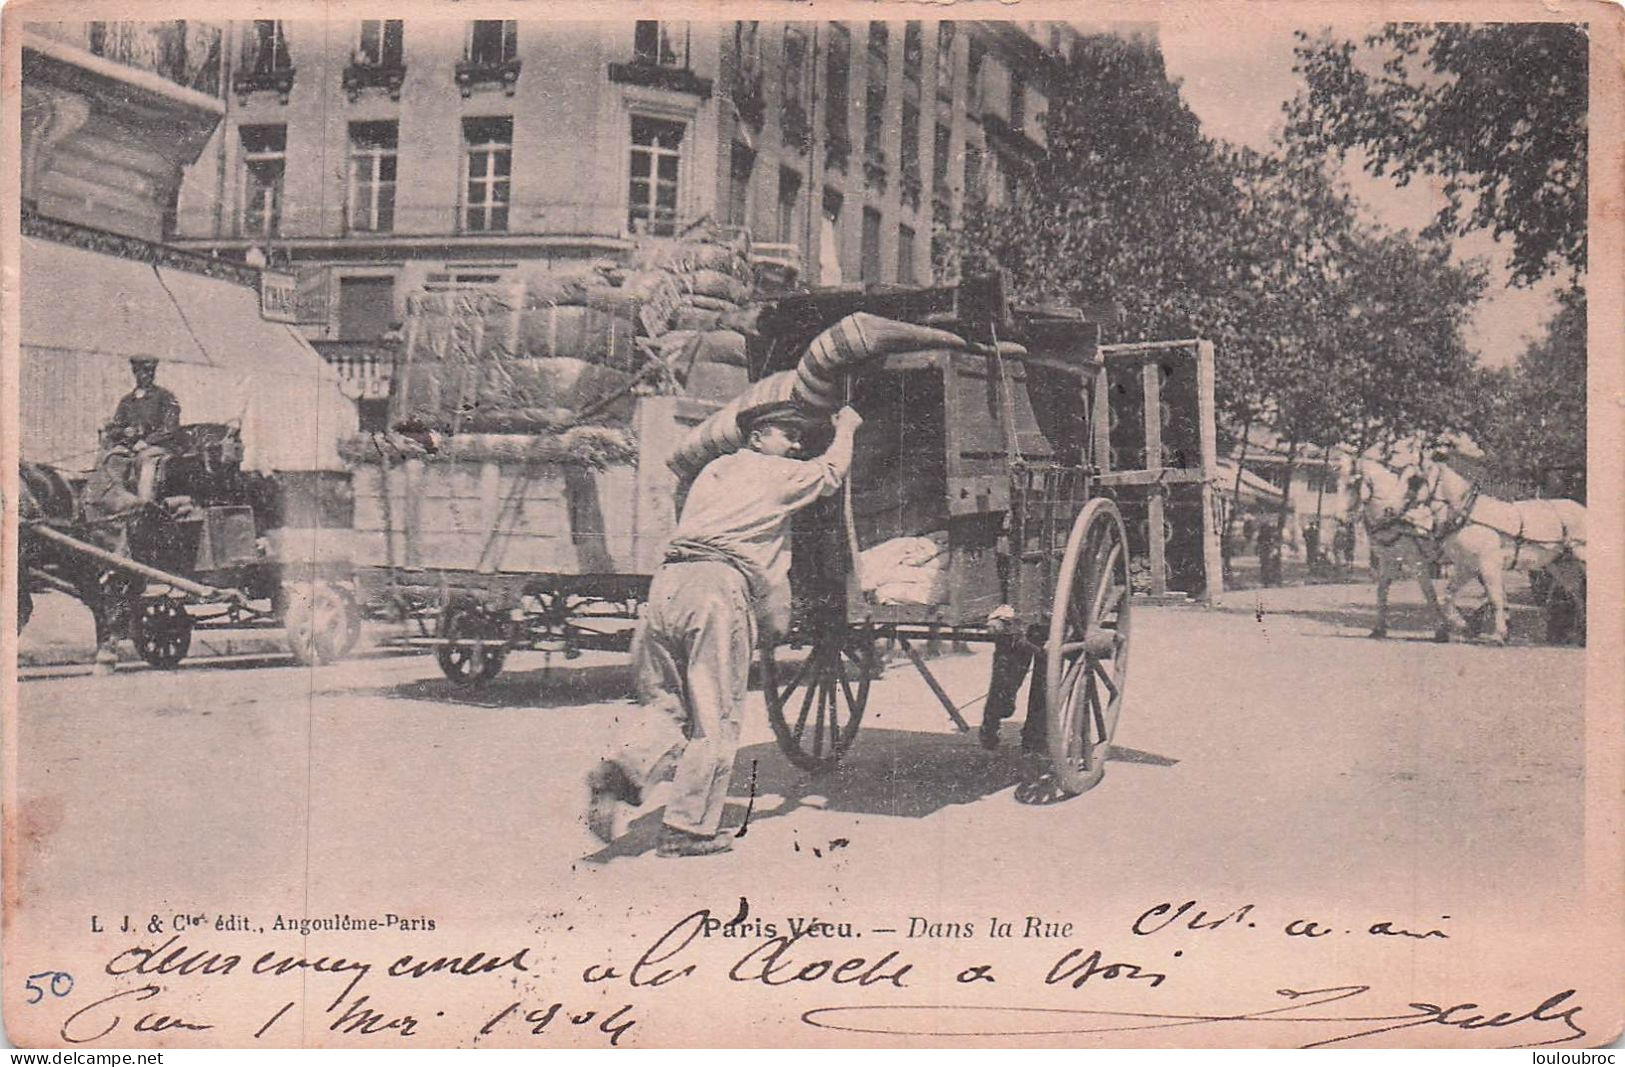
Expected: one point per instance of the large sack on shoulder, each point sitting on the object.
(853, 342)
(720, 434)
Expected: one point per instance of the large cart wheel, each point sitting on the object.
(322, 621)
(161, 630)
(472, 664)
(833, 687)
(1086, 657)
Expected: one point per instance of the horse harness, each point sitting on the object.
(1459, 518)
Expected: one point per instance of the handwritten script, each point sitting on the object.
(1058, 984)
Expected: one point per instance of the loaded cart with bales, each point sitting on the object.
(984, 505)
(526, 495)
(521, 498)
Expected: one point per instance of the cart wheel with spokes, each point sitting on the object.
(322, 622)
(161, 630)
(1086, 656)
(816, 707)
(471, 665)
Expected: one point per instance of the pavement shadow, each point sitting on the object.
(542, 687)
(901, 773)
(1526, 623)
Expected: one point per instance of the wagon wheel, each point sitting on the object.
(1086, 661)
(470, 665)
(161, 630)
(322, 621)
(834, 675)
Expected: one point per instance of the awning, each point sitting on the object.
(85, 314)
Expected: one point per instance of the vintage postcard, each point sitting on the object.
(812, 524)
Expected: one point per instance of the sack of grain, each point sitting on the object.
(562, 288)
(692, 318)
(722, 346)
(715, 381)
(907, 570)
(715, 283)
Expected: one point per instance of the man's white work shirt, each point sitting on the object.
(740, 507)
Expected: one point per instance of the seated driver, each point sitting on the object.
(145, 423)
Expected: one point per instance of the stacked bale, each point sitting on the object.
(536, 355)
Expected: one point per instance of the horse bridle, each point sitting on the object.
(1395, 522)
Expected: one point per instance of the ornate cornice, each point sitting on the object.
(134, 248)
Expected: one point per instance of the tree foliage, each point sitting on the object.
(1326, 329)
(1531, 420)
(1496, 112)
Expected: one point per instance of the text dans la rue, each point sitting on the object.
(157, 979)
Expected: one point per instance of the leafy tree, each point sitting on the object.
(1531, 417)
(1498, 112)
(1123, 207)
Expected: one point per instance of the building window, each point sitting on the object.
(869, 262)
(913, 48)
(265, 153)
(662, 44)
(371, 205)
(487, 173)
(939, 159)
(973, 75)
(492, 42)
(378, 44)
(740, 168)
(377, 61)
(905, 255)
(794, 122)
(265, 48)
(789, 197)
(1018, 102)
(366, 308)
(879, 39)
(652, 190)
(829, 240)
(945, 59)
(973, 173)
(838, 78)
(909, 163)
(874, 122)
(749, 99)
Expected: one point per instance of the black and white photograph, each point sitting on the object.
(875, 525)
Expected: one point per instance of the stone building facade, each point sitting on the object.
(378, 158)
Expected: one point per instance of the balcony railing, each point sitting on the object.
(278, 80)
(184, 52)
(645, 72)
(473, 73)
(388, 77)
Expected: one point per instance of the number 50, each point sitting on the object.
(61, 984)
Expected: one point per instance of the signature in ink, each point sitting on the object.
(1553, 1019)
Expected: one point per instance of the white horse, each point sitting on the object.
(1482, 536)
(1401, 535)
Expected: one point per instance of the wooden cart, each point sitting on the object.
(1005, 452)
